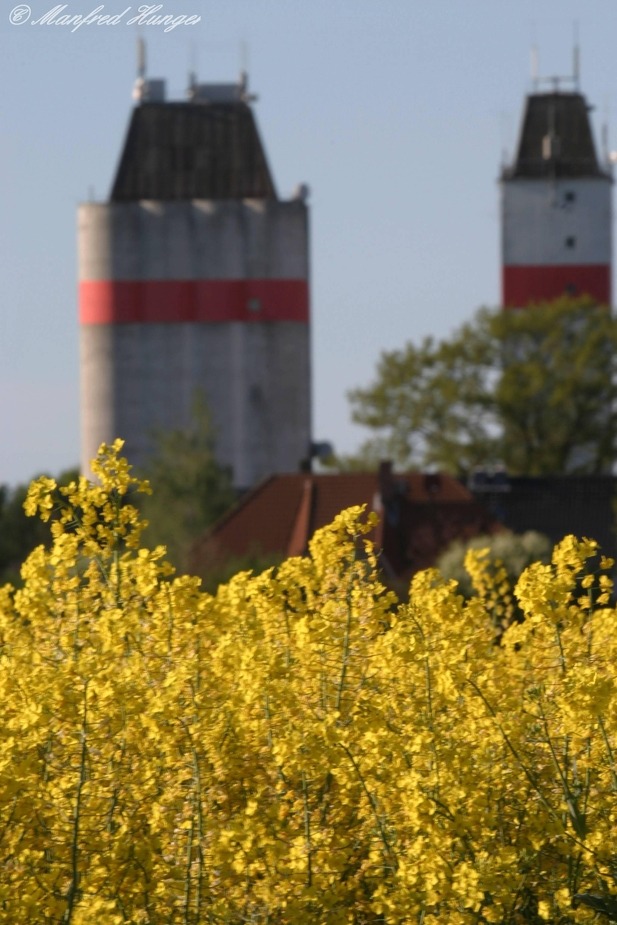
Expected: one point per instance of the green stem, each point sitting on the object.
(611, 756)
(577, 819)
(200, 837)
(307, 833)
(562, 657)
(346, 640)
(187, 881)
(528, 774)
(429, 696)
(373, 805)
(73, 890)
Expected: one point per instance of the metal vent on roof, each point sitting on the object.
(220, 92)
(215, 93)
(149, 90)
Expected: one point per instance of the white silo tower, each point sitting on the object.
(556, 203)
(194, 281)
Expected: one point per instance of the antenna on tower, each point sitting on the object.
(144, 90)
(139, 88)
(534, 66)
(243, 82)
(192, 87)
(605, 148)
(244, 57)
(576, 58)
(555, 80)
(607, 154)
(141, 57)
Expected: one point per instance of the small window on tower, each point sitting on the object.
(571, 241)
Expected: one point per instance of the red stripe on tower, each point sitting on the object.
(533, 284)
(556, 207)
(167, 301)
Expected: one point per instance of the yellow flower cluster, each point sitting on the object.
(300, 748)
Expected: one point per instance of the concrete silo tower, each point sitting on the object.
(556, 205)
(194, 280)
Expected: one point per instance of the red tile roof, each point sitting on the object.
(420, 515)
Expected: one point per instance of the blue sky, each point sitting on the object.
(395, 112)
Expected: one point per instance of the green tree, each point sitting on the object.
(190, 488)
(556, 393)
(20, 534)
(515, 551)
(506, 555)
(533, 389)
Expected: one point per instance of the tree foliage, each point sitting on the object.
(533, 389)
(190, 488)
(298, 748)
(515, 551)
(20, 534)
(506, 555)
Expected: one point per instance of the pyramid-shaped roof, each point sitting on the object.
(556, 139)
(192, 150)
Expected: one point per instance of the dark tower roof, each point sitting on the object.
(192, 151)
(556, 139)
